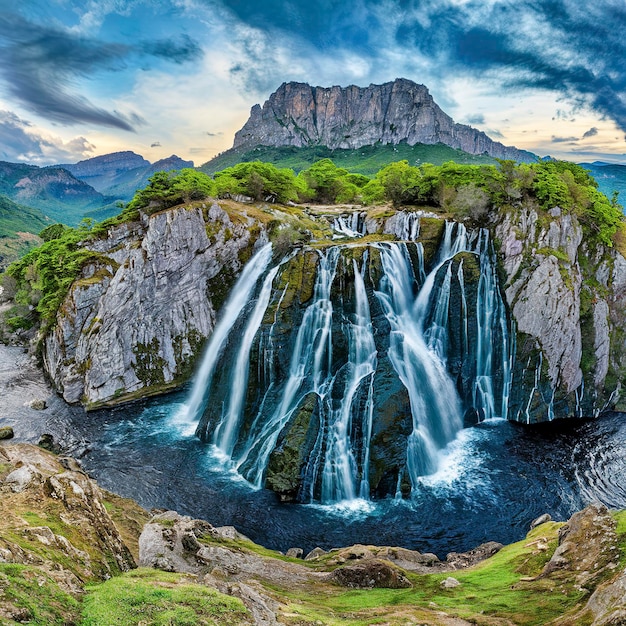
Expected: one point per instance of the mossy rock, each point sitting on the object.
(287, 461)
(431, 231)
(6, 432)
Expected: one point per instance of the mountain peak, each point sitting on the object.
(297, 114)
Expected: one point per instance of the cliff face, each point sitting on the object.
(300, 115)
(567, 302)
(131, 325)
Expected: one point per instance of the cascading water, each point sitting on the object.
(352, 386)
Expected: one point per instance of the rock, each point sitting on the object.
(38, 404)
(450, 583)
(467, 559)
(19, 479)
(295, 553)
(370, 573)
(314, 554)
(47, 442)
(608, 603)
(6, 432)
(297, 114)
(588, 546)
(542, 519)
(133, 323)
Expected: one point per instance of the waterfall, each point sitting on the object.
(239, 297)
(349, 226)
(309, 361)
(382, 335)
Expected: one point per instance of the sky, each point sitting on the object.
(80, 78)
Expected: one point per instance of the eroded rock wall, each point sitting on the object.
(133, 323)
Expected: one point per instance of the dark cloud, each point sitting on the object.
(156, 144)
(177, 51)
(41, 64)
(592, 132)
(19, 141)
(574, 49)
(218, 134)
(476, 119)
(563, 139)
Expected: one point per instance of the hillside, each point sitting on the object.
(70, 552)
(120, 174)
(366, 160)
(52, 190)
(19, 226)
(610, 177)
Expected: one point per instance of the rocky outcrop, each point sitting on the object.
(297, 114)
(82, 544)
(134, 322)
(567, 302)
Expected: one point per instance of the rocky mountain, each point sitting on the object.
(297, 114)
(53, 190)
(120, 174)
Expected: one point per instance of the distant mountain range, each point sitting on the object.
(92, 188)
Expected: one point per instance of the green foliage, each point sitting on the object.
(54, 231)
(45, 274)
(260, 181)
(167, 189)
(146, 596)
(366, 160)
(326, 183)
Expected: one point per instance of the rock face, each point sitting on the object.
(297, 114)
(568, 304)
(133, 323)
(35, 486)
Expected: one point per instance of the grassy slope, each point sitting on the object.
(366, 160)
(18, 228)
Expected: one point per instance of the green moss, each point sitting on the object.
(149, 364)
(151, 597)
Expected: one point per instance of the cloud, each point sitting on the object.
(156, 144)
(179, 51)
(21, 141)
(218, 134)
(592, 132)
(563, 139)
(476, 119)
(561, 46)
(44, 66)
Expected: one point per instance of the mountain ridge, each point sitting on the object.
(297, 114)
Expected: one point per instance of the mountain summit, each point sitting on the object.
(297, 114)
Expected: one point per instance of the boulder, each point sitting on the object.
(450, 583)
(370, 573)
(466, 559)
(6, 432)
(542, 519)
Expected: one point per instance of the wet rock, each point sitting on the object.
(47, 442)
(542, 519)
(38, 404)
(6, 432)
(370, 573)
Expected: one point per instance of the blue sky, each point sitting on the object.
(82, 78)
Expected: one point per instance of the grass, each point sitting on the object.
(147, 596)
(503, 587)
(36, 596)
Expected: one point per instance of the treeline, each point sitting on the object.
(463, 191)
(40, 280)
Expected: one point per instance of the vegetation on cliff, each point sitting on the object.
(41, 279)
